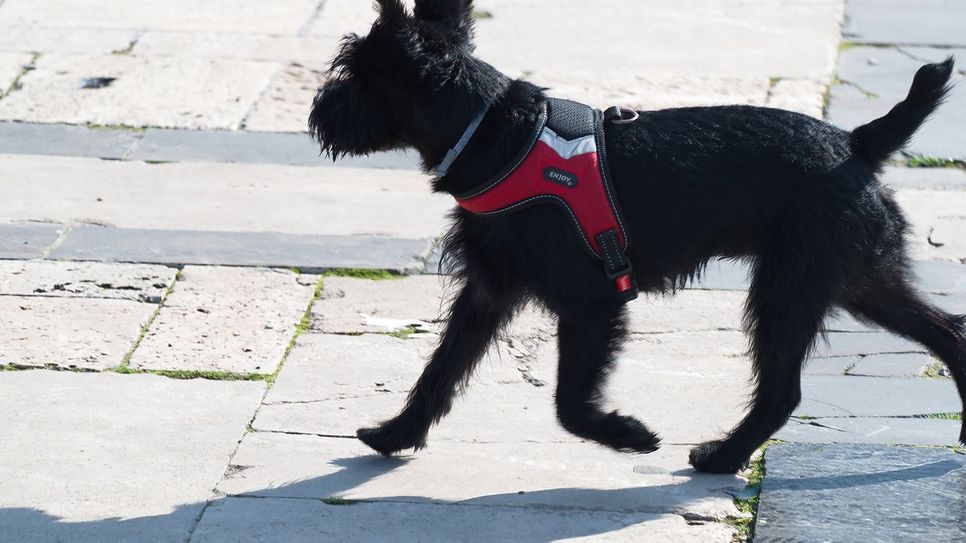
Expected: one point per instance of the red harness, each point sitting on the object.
(565, 163)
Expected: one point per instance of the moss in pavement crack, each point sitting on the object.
(303, 326)
(372, 275)
(749, 506)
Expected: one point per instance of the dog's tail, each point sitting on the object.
(879, 139)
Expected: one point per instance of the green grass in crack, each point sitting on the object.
(127, 50)
(123, 127)
(371, 275)
(749, 506)
(26, 69)
(304, 325)
(196, 374)
(942, 416)
(933, 162)
(403, 333)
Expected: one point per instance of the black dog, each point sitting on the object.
(795, 197)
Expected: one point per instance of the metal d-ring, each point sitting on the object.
(627, 116)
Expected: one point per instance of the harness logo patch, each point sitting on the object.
(560, 177)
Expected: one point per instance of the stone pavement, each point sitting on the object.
(197, 311)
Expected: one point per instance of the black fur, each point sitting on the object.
(797, 198)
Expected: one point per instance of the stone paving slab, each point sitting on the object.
(891, 431)
(570, 476)
(64, 140)
(333, 385)
(830, 366)
(851, 344)
(226, 319)
(861, 493)
(938, 223)
(65, 333)
(356, 306)
(645, 90)
(107, 457)
(923, 22)
(265, 249)
(11, 66)
(222, 197)
(243, 16)
(874, 79)
(172, 145)
(934, 276)
(159, 145)
(952, 179)
(305, 50)
(800, 95)
(27, 240)
(28, 38)
(52, 92)
(285, 105)
(892, 365)
(761, 37)
(85, 280)
(828, 396)
(297, 521)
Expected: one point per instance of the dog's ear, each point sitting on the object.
(391, 11)
(453, 17)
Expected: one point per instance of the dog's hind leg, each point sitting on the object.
(475, 318)
(896, 306)
(790, 294)
(586, 355)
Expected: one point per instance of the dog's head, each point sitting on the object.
(403, 84)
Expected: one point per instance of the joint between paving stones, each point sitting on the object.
(307, 25)
(748, 506)
(124, 366)
(363, 273)
(27, 68)
(130, 47)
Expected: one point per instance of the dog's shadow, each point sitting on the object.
(300, 514)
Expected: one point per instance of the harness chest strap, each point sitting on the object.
(565, 164)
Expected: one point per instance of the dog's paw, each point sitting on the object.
(714, 457)
(388, 439)
(627, 434)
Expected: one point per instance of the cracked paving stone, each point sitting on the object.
(27, 240)
(335, 384)
(284, 107)
(829, 366)
(848, 396)
(240, 520)
(838, 344)
(893, 365)
(237, 320)
(874, 79)
(69, 333)
(560, 475)
(938, 221)
(861, 493)
(243, 16)
(108, 457)
(51, 93)
(85, 280)
(11, 66)
(882, 430)
(926, 22)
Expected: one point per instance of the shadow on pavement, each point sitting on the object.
(32, 525)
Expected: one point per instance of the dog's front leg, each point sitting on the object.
(587, 348)
(476, 316)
